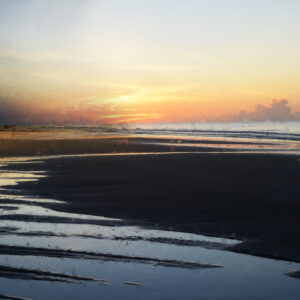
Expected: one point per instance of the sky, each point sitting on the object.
(145, 61)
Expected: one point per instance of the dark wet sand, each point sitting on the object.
(36, 147)
(34, 251)
(30, 146)
(250, 196)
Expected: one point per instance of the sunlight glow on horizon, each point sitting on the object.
(147, 61)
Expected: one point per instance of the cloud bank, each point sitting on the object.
(16, 111)
(279, 110)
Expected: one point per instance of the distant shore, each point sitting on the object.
(250, 196)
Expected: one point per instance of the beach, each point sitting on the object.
(164, 181)
(193, 205)
(241, 195)
(149, 150)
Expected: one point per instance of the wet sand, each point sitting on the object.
(254, 197)
(56, 240)
(11, 146)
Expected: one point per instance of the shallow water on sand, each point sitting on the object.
(33, 237)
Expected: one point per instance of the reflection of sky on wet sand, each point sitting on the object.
(272, 148)
(13, 178)
(243, 276)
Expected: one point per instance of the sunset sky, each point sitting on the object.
(123, 61)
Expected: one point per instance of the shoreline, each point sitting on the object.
(31, 145)
(252, 197)
(103, 145)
